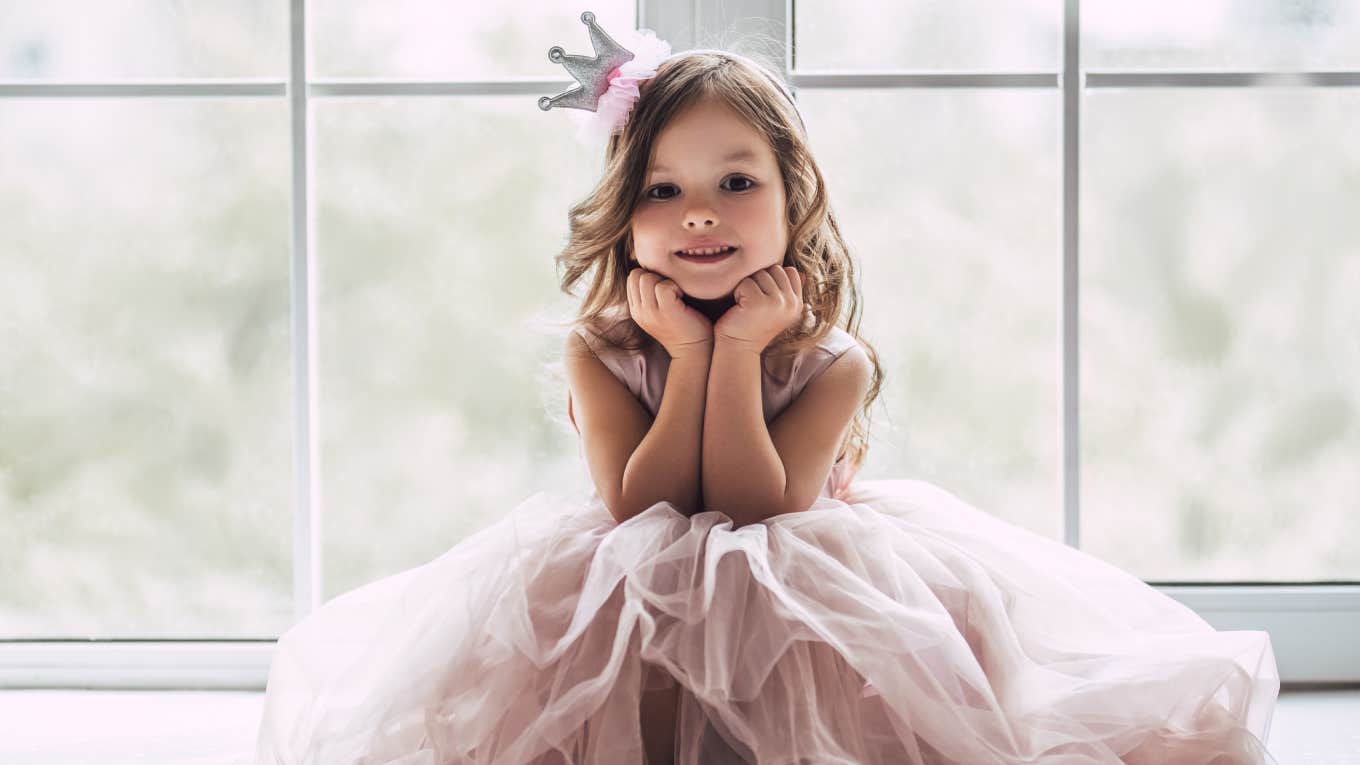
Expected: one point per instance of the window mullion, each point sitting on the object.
(306, 497)
(672, 20)
(1071, 83)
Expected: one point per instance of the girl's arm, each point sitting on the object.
(636, 460)
(665, 465)
(742, 471)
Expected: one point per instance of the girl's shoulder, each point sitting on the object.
(613, 334)
(629, 354)
(811, 361)
(785, 377)
(836, 342)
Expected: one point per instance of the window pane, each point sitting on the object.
(990, 35)
(1215, 35)
(950, 202)
(436, 39)
(438, 223)
(1220, 405)
(121, 39)
(144, 369)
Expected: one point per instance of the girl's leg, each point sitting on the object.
(658, 711)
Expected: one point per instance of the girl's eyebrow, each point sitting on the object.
(734, 156)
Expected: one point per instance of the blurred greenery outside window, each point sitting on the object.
(147, 412)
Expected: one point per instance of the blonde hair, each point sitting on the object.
(600, 240)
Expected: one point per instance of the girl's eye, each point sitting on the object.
(740, 178)
(745, 179)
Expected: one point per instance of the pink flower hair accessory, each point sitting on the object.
(608, 81)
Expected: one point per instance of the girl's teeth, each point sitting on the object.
(710, 251)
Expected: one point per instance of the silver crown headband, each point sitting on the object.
(608, 82)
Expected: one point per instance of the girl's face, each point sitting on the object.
(699, 187)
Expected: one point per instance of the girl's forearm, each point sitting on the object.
(665, 464)
(743, 475)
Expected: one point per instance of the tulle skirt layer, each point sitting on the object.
(893, 624)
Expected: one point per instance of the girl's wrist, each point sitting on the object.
(736, 344)
(695, 349)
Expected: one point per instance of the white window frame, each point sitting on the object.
(1314, 627)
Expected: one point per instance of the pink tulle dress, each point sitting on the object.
(891, 622)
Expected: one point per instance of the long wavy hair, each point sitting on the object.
(599, 246)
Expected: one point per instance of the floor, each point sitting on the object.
(55, 727)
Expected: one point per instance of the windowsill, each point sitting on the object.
(54, 727)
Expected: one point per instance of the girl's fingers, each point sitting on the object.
(662, 294)
(665, 292)
(781, 279)
(766, 282)
(795, 280)
(649, 281)
(640, 290)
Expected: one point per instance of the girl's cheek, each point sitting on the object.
(645, 214)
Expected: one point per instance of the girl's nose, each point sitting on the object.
(700, 217)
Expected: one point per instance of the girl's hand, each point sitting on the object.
(768, 302)
(656, 305)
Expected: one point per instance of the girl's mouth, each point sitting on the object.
(708, 258)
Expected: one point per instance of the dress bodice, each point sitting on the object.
(644, 372)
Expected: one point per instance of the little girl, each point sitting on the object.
(729, 593)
